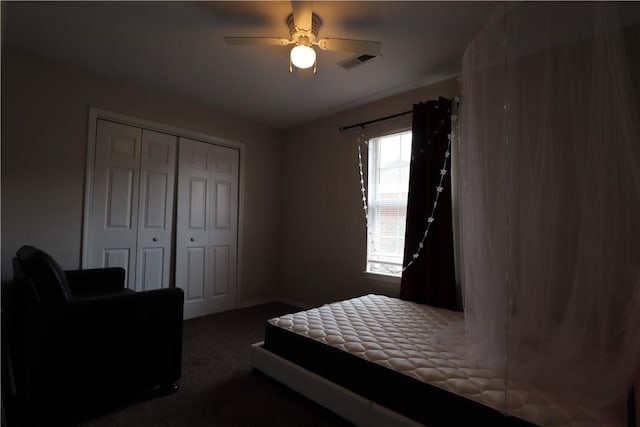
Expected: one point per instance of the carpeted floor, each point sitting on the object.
(218, 386)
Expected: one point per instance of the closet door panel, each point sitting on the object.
(114, 205)
(155, 189)
(151, 266)
(223, 205)
(197, 205)
(224, 228)
(221, 270)
(155, 220)
(116, 258)
(193, 272)
(119, 198)
(195, 280)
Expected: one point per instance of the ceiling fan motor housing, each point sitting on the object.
(304, 36)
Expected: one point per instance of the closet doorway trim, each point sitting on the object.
(97, 113)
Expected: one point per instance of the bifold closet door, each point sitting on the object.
(207, 227)
(130, 219)
(155, 211)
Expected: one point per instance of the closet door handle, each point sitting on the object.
(192, 239)
(155, 239)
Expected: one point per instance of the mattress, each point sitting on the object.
(386, 350)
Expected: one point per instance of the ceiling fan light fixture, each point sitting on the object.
(303, 56)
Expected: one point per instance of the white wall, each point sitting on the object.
(323, 247)
(304, 236)
(45, 109)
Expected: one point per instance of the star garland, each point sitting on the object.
(365, 207)
(431, 219)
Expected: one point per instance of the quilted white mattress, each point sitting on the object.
(399, 335)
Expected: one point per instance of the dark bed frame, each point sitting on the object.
(418, 401)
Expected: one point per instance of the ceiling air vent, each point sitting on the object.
(354, 61)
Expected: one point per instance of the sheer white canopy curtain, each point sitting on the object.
(549, 182)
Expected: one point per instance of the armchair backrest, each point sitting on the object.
(47, 279)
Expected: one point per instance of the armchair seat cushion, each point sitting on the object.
(96, 281)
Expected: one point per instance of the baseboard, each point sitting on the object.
(252, 303)
(300, 305)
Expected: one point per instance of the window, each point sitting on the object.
(389, 159)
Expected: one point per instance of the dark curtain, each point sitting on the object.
(430, 279)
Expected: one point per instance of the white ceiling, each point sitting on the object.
(178, 47)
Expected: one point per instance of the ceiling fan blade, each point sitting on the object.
(354, 46)
(264, 41)
(302, 13)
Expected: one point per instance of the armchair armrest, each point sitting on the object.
(95, 281)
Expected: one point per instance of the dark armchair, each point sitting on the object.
(78, 341)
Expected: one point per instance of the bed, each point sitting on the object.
(377, 360)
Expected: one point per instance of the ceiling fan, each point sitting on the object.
(303, 34)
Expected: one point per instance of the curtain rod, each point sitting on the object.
(363, 124)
